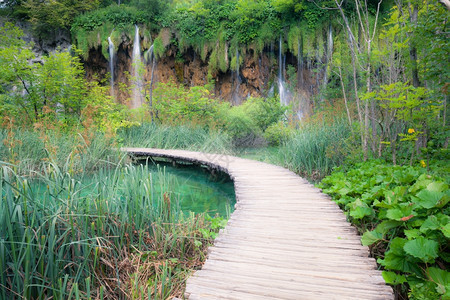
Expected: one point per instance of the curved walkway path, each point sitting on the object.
(285, 240)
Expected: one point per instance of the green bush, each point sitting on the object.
(403, 214)
(247, 122)
(277, 133)
(240, 126)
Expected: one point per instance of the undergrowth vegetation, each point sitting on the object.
(402, 213)
(114, 236)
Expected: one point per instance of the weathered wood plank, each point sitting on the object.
(286, 240)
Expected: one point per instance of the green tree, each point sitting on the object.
(50, 15)
(27, 88)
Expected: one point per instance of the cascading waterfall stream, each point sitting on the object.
(328, 55)
(281, 85)
(111, 64)
(136, 100)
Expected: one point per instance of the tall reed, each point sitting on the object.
(30, 150)
(113, 236)
(315, 149)
(176, 137)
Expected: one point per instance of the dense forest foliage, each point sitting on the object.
(381, 70)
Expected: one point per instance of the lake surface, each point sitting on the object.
(196, 189)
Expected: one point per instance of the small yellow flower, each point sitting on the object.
(423, 163)
(411, 130)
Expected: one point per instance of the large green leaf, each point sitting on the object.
(396, 259)
(387, 225)
(359, 209)
(446, 230)
(422, 248)
(428, 199)
(437, 186)
(422, 182)
(370, 237)
(431, 223)
(412, 233)
(402, 212)
(393, 278)
(441, 278)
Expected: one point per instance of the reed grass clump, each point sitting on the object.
(152, 135)
(31, 150)
(315, 149)
(113, 236)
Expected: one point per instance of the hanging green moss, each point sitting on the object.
(293, 39)
(213, 62)
(92, 29)
(214, 29)
(147, 38)
(204, 50)
(158, 47)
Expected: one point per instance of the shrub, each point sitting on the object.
(277, 133)
(247, 122)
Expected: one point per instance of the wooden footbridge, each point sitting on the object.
(285, 240)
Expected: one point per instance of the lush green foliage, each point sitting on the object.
(58, 80)
(92, 30)
(65, 238)
(50, 92)
(248, 122)
(245, 124)
(404, 215)
(177, 105)
(277, 133)
(49, 17)
(216, 30)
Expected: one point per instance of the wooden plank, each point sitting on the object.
(286, 240)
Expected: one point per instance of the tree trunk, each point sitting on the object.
(344, 94)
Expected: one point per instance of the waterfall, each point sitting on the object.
(329, 51)
(136, 100)
(281, 84)
(328, 54)
(237, 82)
(111, 64)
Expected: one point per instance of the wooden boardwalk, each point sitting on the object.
(285, 240)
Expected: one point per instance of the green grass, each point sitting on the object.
(122, 238)
(30, 150)
(176, 137)
(315, 149)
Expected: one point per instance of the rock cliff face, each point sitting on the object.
(58, 40)
(257, 74)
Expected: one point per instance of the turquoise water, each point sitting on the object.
(196, 189)
(189, 187)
